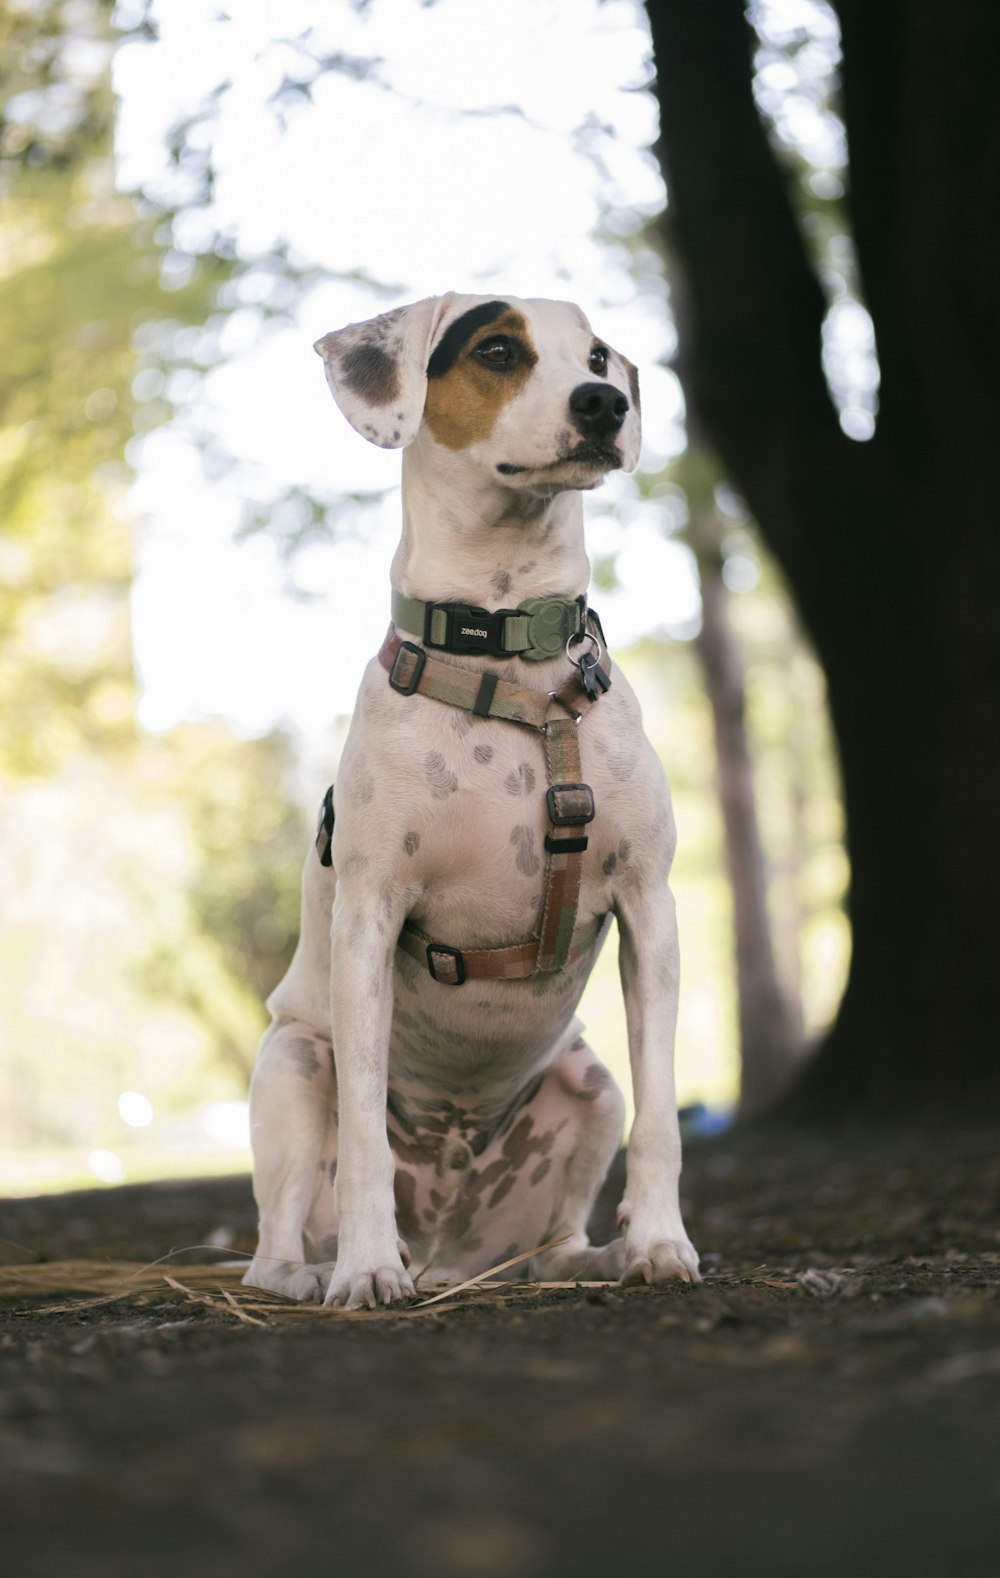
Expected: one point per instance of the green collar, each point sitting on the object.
(536, 629)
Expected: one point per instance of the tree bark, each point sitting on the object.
(891, 547)
(766, 1033)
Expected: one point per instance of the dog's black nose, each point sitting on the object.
(597, 410)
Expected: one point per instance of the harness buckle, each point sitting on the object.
(407, 667)
(570, 805)
(445, 964)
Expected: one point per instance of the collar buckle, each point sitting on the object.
(537, 630)
(460, 627)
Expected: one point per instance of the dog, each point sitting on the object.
(423, 1099)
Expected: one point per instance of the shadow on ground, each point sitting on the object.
(828, 1402)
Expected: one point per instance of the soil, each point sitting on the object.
(827, 1402)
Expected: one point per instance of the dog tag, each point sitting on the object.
(588, 666)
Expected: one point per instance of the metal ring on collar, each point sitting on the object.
(588, 635)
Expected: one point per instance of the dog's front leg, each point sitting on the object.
(657, 1249)
(370, 1268)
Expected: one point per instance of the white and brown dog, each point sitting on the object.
(423, 1096)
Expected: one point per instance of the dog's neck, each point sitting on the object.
(475, 540)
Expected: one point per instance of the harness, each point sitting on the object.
(412, 670)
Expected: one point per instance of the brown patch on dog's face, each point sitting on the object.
(481, 371)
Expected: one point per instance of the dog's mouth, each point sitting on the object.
(596, 457)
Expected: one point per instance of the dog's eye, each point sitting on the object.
(599, 360)
(497, 352)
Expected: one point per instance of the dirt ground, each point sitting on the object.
(828, 1402)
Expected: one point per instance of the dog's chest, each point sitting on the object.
(479, 817)
(445, 813)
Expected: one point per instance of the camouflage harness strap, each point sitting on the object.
(412, 671)
(570, 805)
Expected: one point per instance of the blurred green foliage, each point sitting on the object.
(150, 883)
(80, 271)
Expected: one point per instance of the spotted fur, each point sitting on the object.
(481, 1125)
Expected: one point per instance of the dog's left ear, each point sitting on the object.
(633, 422)
(377, 370)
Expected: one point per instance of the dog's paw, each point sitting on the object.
(581, 1262)
(366, 1290)
(663, 1260)
(307, 1283)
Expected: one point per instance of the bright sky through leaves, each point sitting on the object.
(440, 155)
(406, 177)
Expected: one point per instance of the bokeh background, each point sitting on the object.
(194, 547)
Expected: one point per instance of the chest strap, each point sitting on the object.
(413, 671)
(569, 802)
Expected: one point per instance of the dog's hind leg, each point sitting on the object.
(293, 1098)
(598, 1113)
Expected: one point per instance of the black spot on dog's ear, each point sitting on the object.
(371, 373)
(447, 350)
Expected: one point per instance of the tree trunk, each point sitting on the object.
(891, 547)
(767, 1044)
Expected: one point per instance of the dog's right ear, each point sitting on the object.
(377, 371)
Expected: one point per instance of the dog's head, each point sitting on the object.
(524, 388)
